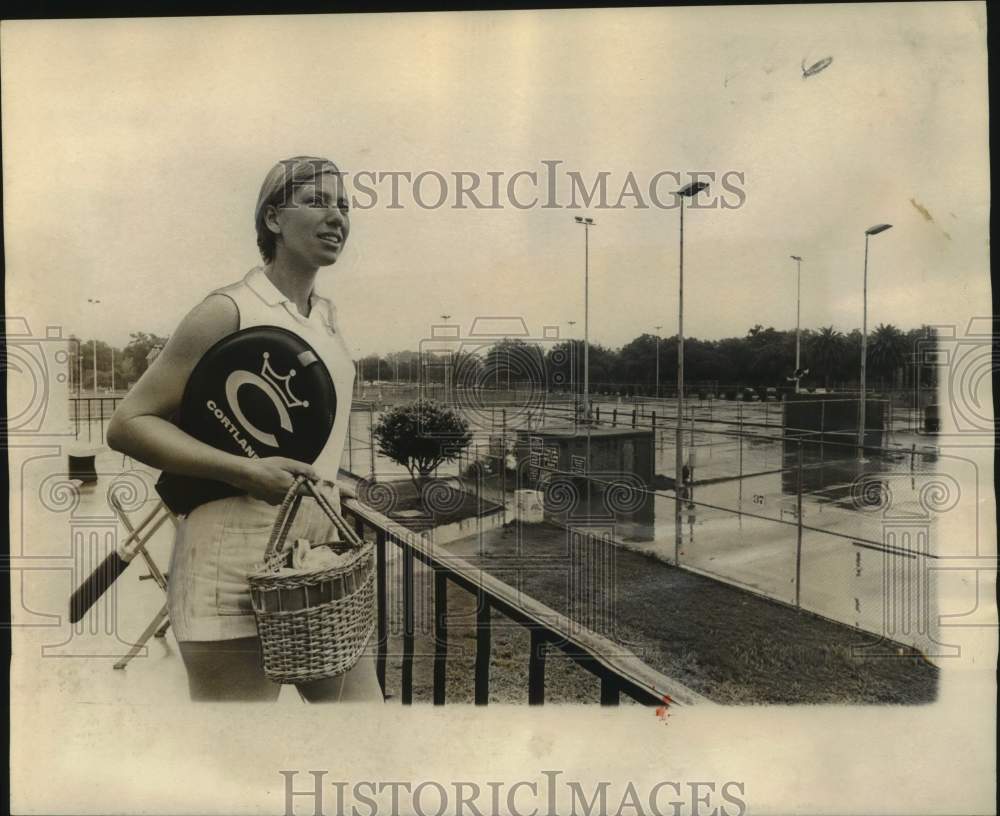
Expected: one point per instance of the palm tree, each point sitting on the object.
(826, 350)
(887, 352)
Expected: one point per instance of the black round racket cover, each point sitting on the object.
(259, 392)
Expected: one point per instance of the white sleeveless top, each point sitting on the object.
(261, 303)
(220, 542)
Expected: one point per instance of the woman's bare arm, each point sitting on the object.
(141, 425)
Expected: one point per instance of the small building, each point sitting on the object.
(833, 418)
(610, 471)
(824, 427)
(612, 452)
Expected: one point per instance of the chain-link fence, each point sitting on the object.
(799, 515)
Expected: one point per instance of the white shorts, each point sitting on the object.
(217, 545)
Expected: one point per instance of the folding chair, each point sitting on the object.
(142, 534)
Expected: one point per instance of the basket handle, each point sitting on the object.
(286, 515)
(345, 530)
(282, 522)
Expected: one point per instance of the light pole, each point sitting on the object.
(79, 370)
(587, 224)
(572, 362)
(687, 191)
(657, 360)
(358, 372)
(798, 309)
(446, 317)
(95, 301)
(875, 230)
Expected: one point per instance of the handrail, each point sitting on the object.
(619, 669)
(99, 416)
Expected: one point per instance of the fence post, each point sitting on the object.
(614, 417)
(798, 516)
(408, 626)
(740, 480)
(536, 668)
(483, 633)
(371, 435)
(440, 634)
(597, 415)
(634, 416)
(503, 474)
(350, 442)
(383, 612)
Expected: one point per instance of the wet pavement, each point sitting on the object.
(868, 550)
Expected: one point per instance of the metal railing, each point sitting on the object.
(619, 672)
(90, 415)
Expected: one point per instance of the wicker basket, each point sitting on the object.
(313, 624)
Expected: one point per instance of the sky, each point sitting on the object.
(134, 151)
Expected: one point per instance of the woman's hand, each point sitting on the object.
(269, 479)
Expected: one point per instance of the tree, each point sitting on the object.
(137, 350)
(850, 368)
(421, 435)
(605, 368)
(638, 360)
(86, 351)
(771, 359)
(827, 350)
(887, 352)
(921, 348)
(512, 359)
(467, 369)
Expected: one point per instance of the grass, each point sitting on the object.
(724, 642)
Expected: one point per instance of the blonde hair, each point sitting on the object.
(276, 191)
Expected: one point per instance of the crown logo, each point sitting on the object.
(281, 384)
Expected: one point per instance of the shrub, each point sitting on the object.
(421, 435)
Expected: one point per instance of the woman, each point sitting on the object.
(302, 224)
